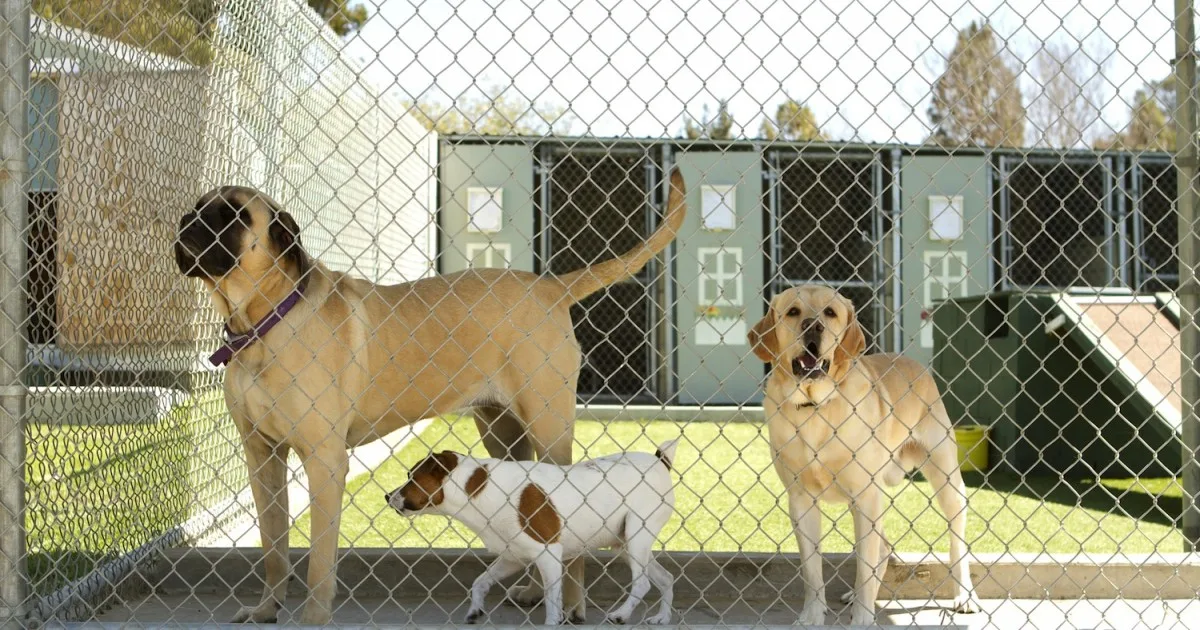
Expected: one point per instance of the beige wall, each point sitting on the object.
(131, 160)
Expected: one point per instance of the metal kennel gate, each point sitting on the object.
(827, 224)
(1155, 183)
(1056, 222)
(599, 201)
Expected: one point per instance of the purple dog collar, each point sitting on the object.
(235, 342)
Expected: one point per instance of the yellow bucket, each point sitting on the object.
(972, 447)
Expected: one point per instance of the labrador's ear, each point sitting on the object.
(852, 346)
(762, 338)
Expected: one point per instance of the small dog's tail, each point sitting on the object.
(666, 453)
(586, 281)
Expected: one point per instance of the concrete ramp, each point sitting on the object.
(1134, 337)
(1138, 337)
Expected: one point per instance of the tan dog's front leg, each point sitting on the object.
(886, 552)
(944, 475)
(267, 468)
(806, 519)
(867, 508)
(327, 467)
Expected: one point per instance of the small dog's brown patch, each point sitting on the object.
(477, 481)
(538, 517)
(424, 487)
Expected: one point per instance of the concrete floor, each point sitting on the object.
(209, 610)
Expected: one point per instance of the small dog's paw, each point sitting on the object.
(576, 619)
(813, 614)
(966, 603)
(862, 617)
(659, 620)
(847, 597)
(267, 612)
(524, 596)
(616, 618)
(473, 617)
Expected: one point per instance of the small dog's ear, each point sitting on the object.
(447, 460)
(762, 337)
(284, 233)
(853, 344)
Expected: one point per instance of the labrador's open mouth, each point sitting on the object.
(808, 365)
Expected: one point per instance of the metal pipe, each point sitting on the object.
(897, 258)
(14, 58)
(1189, 291)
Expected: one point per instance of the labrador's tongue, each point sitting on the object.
(808, 362)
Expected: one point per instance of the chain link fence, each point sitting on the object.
(995, 201)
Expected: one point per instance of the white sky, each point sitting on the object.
(632, 68)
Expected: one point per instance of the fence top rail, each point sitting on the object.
(804, 147)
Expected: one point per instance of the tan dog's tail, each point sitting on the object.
(586, 281)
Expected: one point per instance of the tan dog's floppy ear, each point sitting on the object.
(853, 344)
(284, 233)
(762, 337)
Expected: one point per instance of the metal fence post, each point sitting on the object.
(1189, 293)
(14, 59)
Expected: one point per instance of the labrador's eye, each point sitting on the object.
(793, 312)
(829, 312)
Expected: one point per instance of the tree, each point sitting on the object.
(493, 113)
(1163, 92)
(181, 29)
(340, 16)
(719, 127)
(1149, 129)
(1068, 93)
(977, 98)
(792, 121)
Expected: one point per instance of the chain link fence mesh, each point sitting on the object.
(995, 200)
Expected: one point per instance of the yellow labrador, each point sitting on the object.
(843, 425)
(320, 361)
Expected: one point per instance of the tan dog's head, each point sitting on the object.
(424, 488)
(809, 331)
(238, 233)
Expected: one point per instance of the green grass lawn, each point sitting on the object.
(731, 500)
(94, 492)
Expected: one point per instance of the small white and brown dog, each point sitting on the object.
(545, 515)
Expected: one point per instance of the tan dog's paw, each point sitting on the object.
(316, 615)
(265, 612)
(526, 596)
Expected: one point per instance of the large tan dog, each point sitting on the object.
(843, 425)
(353, 361)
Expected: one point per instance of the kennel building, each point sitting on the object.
(895, 228)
